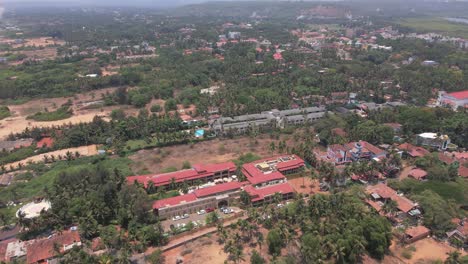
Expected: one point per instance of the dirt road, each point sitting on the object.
(84, 151)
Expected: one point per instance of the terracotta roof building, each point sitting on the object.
(380, 193)
(200, 199)
(205, 173)
(266, 194)
(271, 170)
(416, 233)
(43, 250)
(413, 151)
(418, 174)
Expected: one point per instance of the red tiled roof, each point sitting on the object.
(337, 148)
(374, 205)
(249, 169)
(459, 95)
(382, 190)
(266, 178)
(260, 193)
(174, 201)
(290, 164)
(197, 172)
(463, 229)
(220, 188)
(277, 56)
(371, 147)
(460, 155)
(404, 204)
(414, 151)
(417, 231)
(48, 142)
(43, 249)
(418, 173)
(445, 158)
(463, 171)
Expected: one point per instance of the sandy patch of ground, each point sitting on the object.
(405, 172)
(305, 185)
(83, 150)
(18, 122)
(204, 250)
(427, 250)
(39, 42)
(212, 151)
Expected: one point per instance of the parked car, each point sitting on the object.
(209, 210)
(201, 212)
(185, 216)
(175, 218)
(228, 211)
(280, 205)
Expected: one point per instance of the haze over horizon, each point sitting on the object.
(167, 3)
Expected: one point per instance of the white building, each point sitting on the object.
(433, 140)
(453, 100)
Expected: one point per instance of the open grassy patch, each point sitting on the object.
(38, 185)
(63, 112)
(457, 190)
(4, 112)
(435, 24)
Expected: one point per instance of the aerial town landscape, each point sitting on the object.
(234, 132)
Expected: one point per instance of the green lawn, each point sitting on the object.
(59, 114)
(4, 112)
(435, 24)
(457, 191)
(36, 186)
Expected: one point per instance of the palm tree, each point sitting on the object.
(390, 207)
(453, 257)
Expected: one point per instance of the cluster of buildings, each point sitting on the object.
(264, 179)
(40, 250)
(390, 33)
(453, 100)
(354, 151)
(266, 120)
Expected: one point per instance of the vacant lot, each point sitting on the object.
(305, 185)
(427, 250)
(435, 24)
(201, 251)
(18, 122)
(84, 151)
(39, 42)
(212, 151)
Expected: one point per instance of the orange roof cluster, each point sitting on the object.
(404, 204)
(43, 249)
(414, 151)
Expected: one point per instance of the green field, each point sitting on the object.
(457, 191)
(63, 112)
(435, 24)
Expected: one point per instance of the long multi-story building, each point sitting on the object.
(266, 120)
(210, 197)
(264, 179)
(198, 172)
